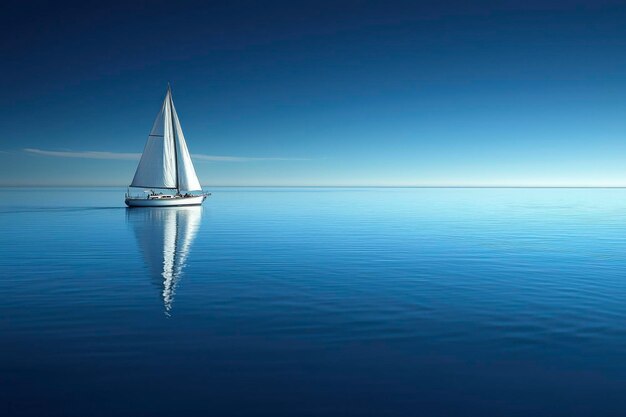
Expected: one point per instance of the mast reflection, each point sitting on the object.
(165, 236)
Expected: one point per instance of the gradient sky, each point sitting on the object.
(319, 93)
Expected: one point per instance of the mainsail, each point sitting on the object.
(165, 162)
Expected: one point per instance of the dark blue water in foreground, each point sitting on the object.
(314, 302)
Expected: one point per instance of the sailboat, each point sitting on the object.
(166, 165)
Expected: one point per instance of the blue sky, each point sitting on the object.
(319, 93)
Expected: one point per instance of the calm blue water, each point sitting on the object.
(314, 302)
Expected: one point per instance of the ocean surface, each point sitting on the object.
(314, 302)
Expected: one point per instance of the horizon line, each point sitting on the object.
(341, 186)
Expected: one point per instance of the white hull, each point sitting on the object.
(165, 202)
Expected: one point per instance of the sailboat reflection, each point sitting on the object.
(165, 236)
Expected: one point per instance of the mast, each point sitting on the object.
(174, 139)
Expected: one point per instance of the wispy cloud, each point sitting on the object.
(202, 157)
(84, 154)
(135, 156)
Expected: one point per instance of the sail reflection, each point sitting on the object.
(165, 236)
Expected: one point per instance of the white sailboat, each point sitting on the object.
(166, 165)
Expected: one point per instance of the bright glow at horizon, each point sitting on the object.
(529, 94)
